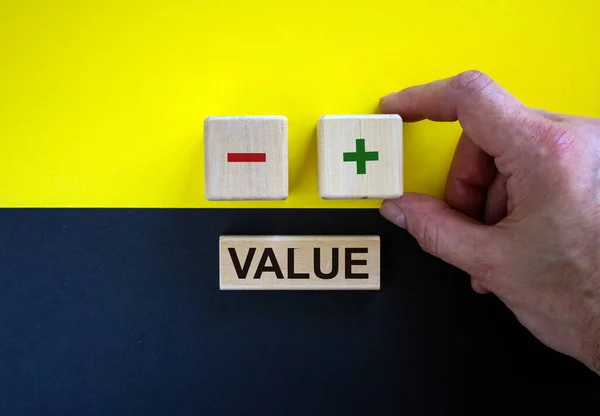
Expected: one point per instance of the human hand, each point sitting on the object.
(522, 207)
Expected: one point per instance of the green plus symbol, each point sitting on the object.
(360, 157)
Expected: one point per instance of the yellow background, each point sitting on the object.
(102, 102)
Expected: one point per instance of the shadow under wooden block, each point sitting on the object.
(299, 262)
(246, 158)
(360, 156)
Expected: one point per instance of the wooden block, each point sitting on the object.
(360, 156)
(299, 262)
(246, 158)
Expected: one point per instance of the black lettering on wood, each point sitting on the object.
(241, 272)
(335, 263)
(268, 254)
(355, 262)
(291, 273)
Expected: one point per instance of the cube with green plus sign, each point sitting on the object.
(360, 156)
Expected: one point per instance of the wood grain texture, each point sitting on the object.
(299, 262)
(262, 175)
(360, 156)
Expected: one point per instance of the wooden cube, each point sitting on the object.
(299, 262)
(360, 156)
(246, 158)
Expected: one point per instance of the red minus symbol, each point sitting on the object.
(246, 157)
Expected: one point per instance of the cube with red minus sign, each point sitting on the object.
(246, 158)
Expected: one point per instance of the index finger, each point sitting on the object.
(489, 115)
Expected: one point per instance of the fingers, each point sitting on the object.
(496, 205)
(471, 173)
(481, 105)
(440, 230)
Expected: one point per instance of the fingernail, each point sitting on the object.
(393, 213)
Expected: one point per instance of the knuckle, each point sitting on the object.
(486, 272)
(429, 236)
(556, 138)
(561, 139)
(488, 262)
(471, 81)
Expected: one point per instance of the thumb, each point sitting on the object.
(440, 230)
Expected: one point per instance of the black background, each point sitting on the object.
(118, 311)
